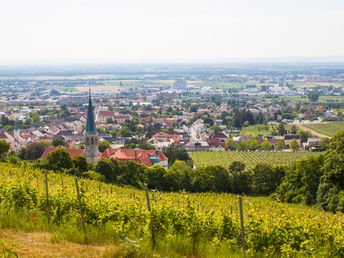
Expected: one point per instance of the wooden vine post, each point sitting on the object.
(147, 197)
(242, 225)
(47, 194)
(80, 206)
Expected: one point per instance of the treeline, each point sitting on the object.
(263, 179)
(317, 180)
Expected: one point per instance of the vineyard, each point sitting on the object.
(251, 159)
(178, 223)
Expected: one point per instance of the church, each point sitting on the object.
(92, 154)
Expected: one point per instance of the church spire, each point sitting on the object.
(90, 124)
(91, 151)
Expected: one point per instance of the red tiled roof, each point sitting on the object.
(72, 152)
(106, 113)
(174, 137)
(216, 142)
(139, 156)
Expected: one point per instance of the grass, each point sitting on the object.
(256, 130)
(330, 128)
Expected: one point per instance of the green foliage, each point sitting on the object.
(240, 180)
(155, 177)
(242, 146)
(33, 150)
(211, 178)
(330, 192)
(281, 145)
(4, 148)
(105, 168)
(178, 176)
(231, 144)
(253, 144)
(58, 141)
(266, 145)
(294, 145)
(138, 144)
(80, 163)
(301, 181)
(103, 145)
(59, 160)
(175, 152)
(313, 96)
(265, 178)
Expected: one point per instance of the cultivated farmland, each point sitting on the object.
(251, 159)
(329, 129)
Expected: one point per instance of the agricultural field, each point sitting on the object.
(250, 158)
(322, 99)
(259, 129)
(330, 128)
(178, 224)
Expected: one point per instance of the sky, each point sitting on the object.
(84, 31)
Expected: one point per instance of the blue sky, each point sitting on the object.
(39, 31)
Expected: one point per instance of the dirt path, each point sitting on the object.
(304, 128)
(40, 244)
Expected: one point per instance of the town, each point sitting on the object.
(197, 109)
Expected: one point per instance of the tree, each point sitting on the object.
(59, 160)
(242, 146)
(330, 193)
(304, 136)
(34, 150)
(193, 108)
(175, 152)
(211, 178)
(253, 144)
(313, 96)
(104, 167)
(80, 163)
(178, 176)
(281, 129)
(266, 178)
(231, 144)
(155, 177)
(103, 145)
(293, 129)
(294, 145)
(281, 145)
(266, 145)
(240, 179)
(216, 128)
(301, 181)
(4, 148)
(58, 141)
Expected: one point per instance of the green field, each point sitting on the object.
(330, 128)
(321, 99)
(259, 129)
(251, 159)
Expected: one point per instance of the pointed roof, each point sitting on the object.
(90, 124)
(16, 128)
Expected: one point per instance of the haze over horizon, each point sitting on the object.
(83, 31)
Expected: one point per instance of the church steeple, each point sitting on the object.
(90, 124)
(91, 134)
